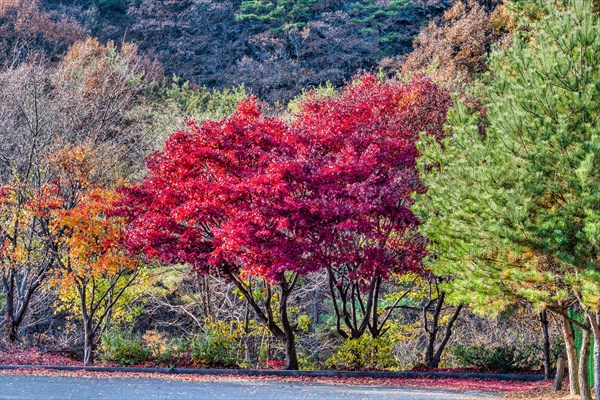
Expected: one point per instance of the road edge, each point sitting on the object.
(286, 373)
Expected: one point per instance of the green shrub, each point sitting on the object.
(213, 348)
(364, 353)
(499, 358)
(175, 348)
(309, 362)
(124, 349)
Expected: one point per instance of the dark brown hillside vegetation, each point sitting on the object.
(208, 43)
(454, 48)
(26, 30)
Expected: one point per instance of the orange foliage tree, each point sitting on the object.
(94, 271)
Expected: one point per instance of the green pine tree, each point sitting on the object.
(279, 14)
(513, 208)
(373, 17)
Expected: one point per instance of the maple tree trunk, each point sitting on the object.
(286, 332)
(569, 339)
(15, 311)
(547, 361)
(291, 356)
(584, 373)
(11, 331)
(433, 330)
(429, 349)
(88, 345)
(433, 356)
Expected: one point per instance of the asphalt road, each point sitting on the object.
(24, 387)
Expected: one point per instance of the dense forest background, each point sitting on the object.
(276, 49)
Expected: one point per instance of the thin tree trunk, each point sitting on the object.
(10, 330)
(597, 366)
(338, 313)
(291, 357)
(594, 319)
(584, 372)
(435, 361)
(560, 371)
(88, 345)
(547, 361)
(430, 331)
(569, 339)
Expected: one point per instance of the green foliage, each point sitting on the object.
(309, 363)
(322, 91)
(174, 102)
(371, 16)
(374, 19)
(124, 349)
(499, 358)
(514, 195)
(364, 353)
(202, 103)
(216, 346)
(303, 322)
(280, 14)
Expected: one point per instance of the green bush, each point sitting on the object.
(213, 348)
(364, 353)
(499, 358)
(124, 349)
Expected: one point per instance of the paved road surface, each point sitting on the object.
(15, 387)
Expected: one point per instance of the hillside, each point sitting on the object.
(275, 48)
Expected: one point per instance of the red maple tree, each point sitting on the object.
(262, 201)
(203, 203)
(356, 158)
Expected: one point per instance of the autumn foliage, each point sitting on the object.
(91, 238)
(93, 269)
(454, 49)
(27, 30)
(356, 164)
(256, 192)
(252, 195)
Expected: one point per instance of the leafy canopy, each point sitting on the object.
(513, 207)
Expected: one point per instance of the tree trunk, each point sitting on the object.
(547, 361)
(88, 345)
(433, 330)
(594, 319)
(286, 332)
(435, 361)
(560, 371)
(433, 356)
(291, 357)
(584, 372)
(10, 330)
(597, 366)
(569, 339)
